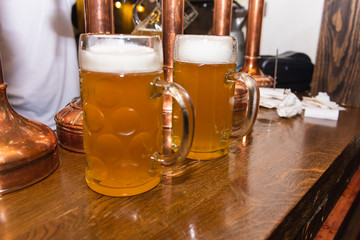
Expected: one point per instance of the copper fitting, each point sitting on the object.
(99, 16)
(252, 44)
(222, 17)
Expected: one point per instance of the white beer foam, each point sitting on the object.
(120, 58)
(205, 49)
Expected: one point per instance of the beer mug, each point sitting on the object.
(205, 66)
(122, 90)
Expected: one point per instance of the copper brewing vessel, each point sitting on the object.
(28, 150)
(252, 44)
(69, 126)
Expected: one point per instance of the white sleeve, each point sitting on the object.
(39, 57)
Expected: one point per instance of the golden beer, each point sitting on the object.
(202, 64)
(122, 116)
(118, 143)
(211, 96)
(147, 32)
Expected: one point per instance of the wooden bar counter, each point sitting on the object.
(280, 182)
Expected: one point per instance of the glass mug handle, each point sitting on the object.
(136, 18)
(253, 103)
(176, 161)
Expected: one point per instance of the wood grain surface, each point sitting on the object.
(268, 187)
(337, 67)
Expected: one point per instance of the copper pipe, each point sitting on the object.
(172, 24)
(172, 21)
(222, 17)
(99, 16)
(1, 74)
(255, 15)
(252, 45)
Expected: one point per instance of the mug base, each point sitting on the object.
(122, 191)
(207, 155)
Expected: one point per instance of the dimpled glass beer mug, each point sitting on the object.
(205, 66)
(122, 96)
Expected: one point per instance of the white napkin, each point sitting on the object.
(322, 100)
(286, 103)
(321, 107)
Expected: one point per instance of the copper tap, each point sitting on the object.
(99, 18)
(252, 44)
(222, 17)
(28, 150)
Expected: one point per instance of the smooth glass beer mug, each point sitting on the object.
(122, 96)
(205, 66)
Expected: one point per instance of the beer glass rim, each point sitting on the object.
(203, 36)
(120, 36)
(205, 49)
(120, 53)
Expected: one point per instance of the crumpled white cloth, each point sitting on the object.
(322, 100)
(287, 104)
(321, 107)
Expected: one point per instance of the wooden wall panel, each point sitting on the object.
(337, 66)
